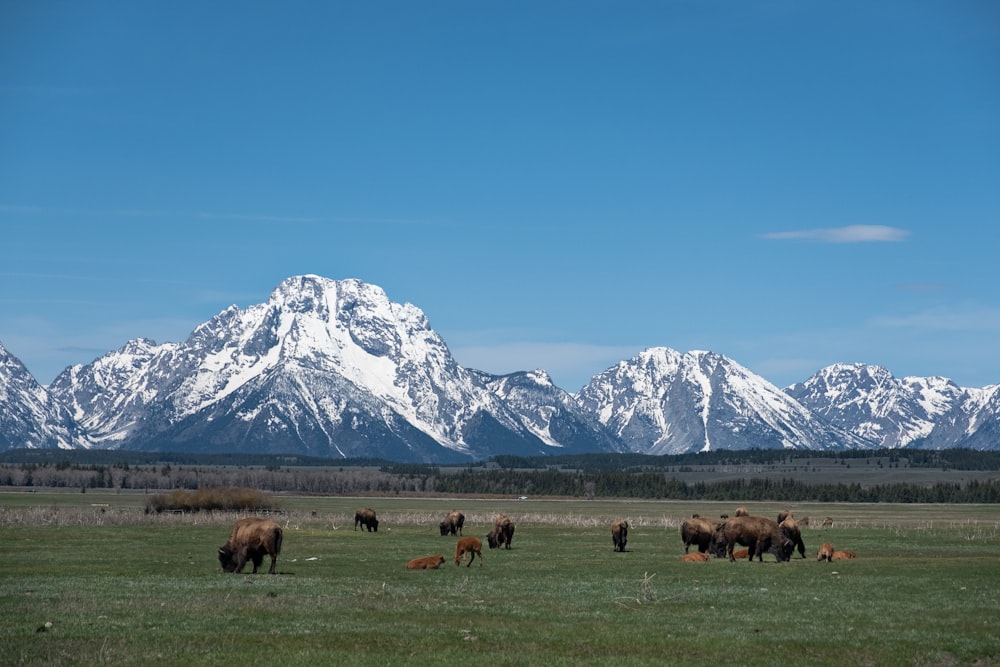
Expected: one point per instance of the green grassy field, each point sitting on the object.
(89, 579)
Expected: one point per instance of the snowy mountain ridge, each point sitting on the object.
(335, 368)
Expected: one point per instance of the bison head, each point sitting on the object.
(783, 549)
(444, 528)
(492, 540)
(227, 558)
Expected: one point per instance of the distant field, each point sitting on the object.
(90, 579)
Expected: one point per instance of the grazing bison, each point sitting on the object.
(469, 545)
(250, 539)
(792, 532)
(619, 534)
(742, 511)
(426, 563)
(453, 523)
(804, 521)
(827, 522)
(698, 531)
(759, 534)
(366, 519)
(696, 557)
(502, 533)
(843, 555)
(825, 552)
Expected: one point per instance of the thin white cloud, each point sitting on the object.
(849, 234)
(946, 318)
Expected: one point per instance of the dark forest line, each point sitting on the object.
(606, 476)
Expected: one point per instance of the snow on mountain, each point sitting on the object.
(550, 413)
(870, 402)
(29, 416)
(319, 359)
(336, 369)
(665, 402)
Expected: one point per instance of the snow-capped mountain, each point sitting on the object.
(326, 368)
(335, 369)
(665, 402)
(549, 412)
(29, 415)
(929, 412)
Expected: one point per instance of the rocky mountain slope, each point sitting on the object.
(335, 368)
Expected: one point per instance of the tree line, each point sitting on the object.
(484, 481)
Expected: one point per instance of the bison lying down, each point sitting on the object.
(250, 539)
(759, 534)
(426, 563)
(696, 557)
(843, 555)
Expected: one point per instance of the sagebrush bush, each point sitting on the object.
(211, 499)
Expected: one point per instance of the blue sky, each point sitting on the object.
(555, 184)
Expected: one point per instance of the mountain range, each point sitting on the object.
(336, 369)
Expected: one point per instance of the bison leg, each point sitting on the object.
(274, 563)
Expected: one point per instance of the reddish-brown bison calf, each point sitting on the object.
(696, 557)
(469, 545)
(843, 555)
(249, 540)
(825, 552)
(426, 563)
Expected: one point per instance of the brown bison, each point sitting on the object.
(843, 555)
(452, 524)
(827, 522)
(742, 511)
(469, 545)
(698, 531)
(792, 532)
(366, 519)
(759, 534)
(619, 534)
(426, 563)
(804, 521)
(741, 553)
(250, 539)
(784, 514)
(825, 552)
(696, 557)
(502, 533)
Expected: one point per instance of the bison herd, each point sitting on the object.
(253, 538)
(759, 534)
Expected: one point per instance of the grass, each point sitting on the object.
(118, 587)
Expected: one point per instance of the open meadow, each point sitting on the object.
(91, 579)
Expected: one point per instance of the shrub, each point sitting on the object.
(211, 498)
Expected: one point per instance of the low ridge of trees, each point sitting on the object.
(743, 476)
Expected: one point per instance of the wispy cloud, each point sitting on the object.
(947, 318)
(849, 234)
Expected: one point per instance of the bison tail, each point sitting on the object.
(278, 535)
